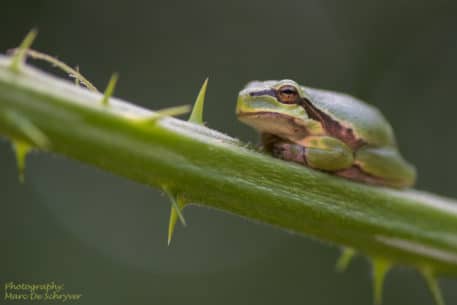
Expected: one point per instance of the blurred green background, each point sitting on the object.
(105, 237)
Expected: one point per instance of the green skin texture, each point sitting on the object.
(378, 157)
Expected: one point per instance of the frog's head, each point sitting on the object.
(272, 106)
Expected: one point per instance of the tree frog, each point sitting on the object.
(325, 130)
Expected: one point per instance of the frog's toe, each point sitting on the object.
(289, 152)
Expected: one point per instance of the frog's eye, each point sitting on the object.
(287, 94)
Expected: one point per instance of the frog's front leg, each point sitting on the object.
(319, 152)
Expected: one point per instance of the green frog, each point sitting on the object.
(325, 130)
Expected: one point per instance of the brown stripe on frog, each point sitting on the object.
(332, 127)
(270, 92)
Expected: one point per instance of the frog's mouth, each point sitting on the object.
(278, 124)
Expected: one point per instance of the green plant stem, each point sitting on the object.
(214, 170)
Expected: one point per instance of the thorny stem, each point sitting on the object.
(208, 168)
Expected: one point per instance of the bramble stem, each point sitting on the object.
(206, 167)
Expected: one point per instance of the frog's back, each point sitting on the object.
(366, 121)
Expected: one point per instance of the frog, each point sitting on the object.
(325, 130)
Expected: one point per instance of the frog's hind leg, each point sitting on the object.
(380, 166)
(319, 152)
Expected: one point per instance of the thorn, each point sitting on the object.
(21, 149)
(380, 269)
(170, 111)
(171, 224)
(433, 286)
(28, 129)
(174, 111)
(177, 204)
(110, 89)
(197, 112)
(76, 79)
(19, 56)
(345, 258)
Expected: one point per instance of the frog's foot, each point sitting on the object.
(289, 152)
(357, 174)
(319, 152)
